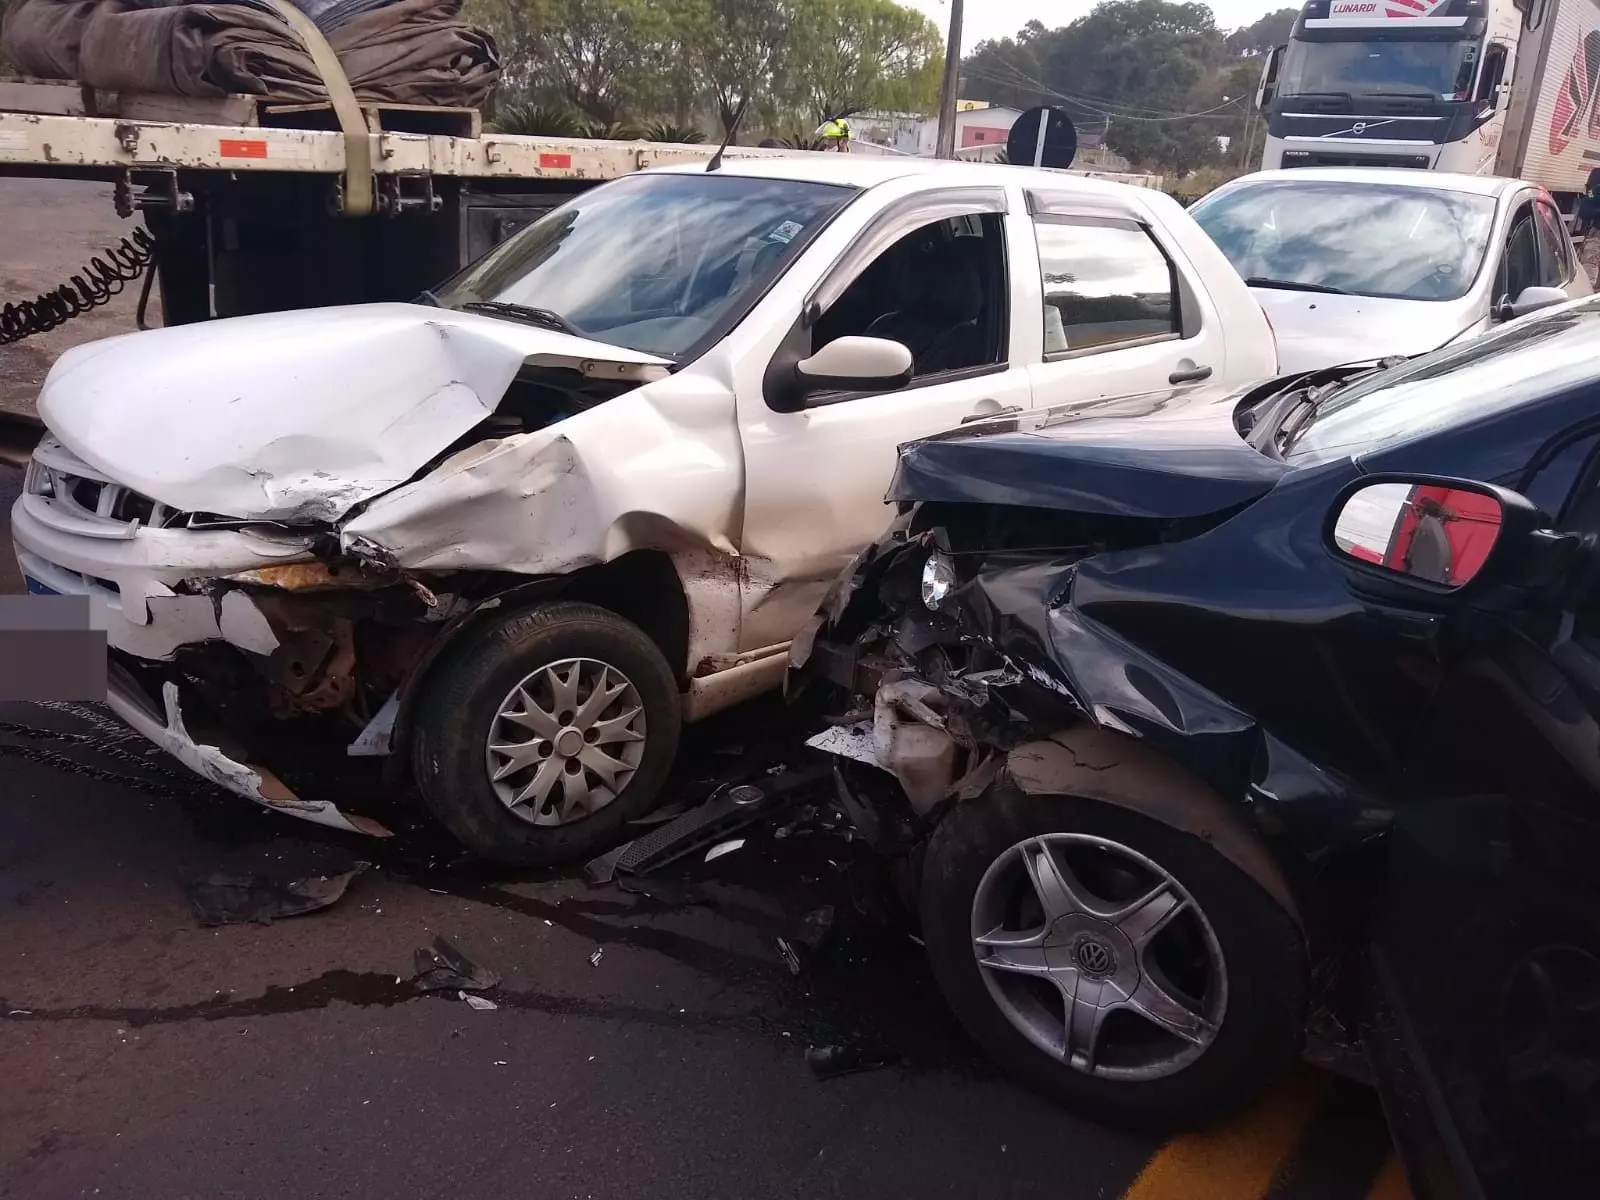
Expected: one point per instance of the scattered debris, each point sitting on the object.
(604, 868)
(721, 848)
(224, 898)
(478, 1003)
(594, 959)
(790, 958)
(917, 940)
(815, 927)
(20, 1012)
(830, 1062)
(674, 893)
(444, 968)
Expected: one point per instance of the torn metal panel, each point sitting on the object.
(911, 742)
(295, 416)
(243, 624)
(254, 783)
(376, 740)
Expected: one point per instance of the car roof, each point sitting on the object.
(867, 171)
(1478, 185)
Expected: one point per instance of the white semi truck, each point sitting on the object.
(1483, 87)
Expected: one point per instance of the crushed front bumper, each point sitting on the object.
(165, 726)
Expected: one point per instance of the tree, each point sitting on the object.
(1271, 30)
(743, 43)
(1010, 71)
(1144, 70)
(851, 55)
(594, 56)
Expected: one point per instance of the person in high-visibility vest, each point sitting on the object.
(835, 134)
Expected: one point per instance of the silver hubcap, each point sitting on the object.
(1098, 957)
(566, 741)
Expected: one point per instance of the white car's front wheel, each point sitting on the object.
(546, 733)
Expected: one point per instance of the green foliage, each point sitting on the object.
(1159, 78)
(794, 61)
(612, 131)
(852, 55)
(534, 119)
(1271, 30)
(666, 131)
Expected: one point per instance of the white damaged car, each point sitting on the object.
(509, 539)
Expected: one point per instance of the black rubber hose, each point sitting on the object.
(105, 276)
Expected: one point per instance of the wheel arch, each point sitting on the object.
(641, 586)
(1100, 764)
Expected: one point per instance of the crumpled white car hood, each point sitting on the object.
(296, 416)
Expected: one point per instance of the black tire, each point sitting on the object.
(1261, 1031)
(457, 708)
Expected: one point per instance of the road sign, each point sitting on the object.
(1042, 137)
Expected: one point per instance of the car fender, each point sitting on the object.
(1101, 764)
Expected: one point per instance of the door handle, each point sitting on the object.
(1008, 411)
(1192, 375)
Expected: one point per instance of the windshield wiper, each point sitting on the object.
(1293, 285)
(523, 312)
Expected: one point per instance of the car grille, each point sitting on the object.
(1313, 158)
(59, 477)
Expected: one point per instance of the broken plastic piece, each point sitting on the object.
(790, 958)
(594, 959)
(604, 868)
(480, 1003)
(721, 848)
(444, 968)
(230, 899)
(830, 1062)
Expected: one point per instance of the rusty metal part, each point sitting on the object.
(311, 576)
(314, 670)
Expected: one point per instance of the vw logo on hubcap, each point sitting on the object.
(1094, 957)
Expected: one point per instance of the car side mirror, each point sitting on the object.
(1427, 537)
(1531, 299)
(1267, 89)
(846, 364)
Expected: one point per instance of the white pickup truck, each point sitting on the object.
(509, 538)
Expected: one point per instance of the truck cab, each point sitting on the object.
(1392, 83)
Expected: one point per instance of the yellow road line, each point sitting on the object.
(1391, 1182)
(1239, 1160)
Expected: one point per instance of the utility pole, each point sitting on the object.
(946, 145)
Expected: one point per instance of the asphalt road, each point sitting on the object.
(642, 1045)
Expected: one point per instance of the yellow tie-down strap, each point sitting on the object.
(358, 185)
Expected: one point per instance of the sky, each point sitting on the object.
(1002, 18)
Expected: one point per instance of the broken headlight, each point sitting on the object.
(938, 580)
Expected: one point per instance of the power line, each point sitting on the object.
(1133, 113)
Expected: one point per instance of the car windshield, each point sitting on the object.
(1498, 371)
(1368, 238)
(1379, 68)
(652, 262)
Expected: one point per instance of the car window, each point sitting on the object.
(1554, 246)
(1106, 283)
(1370, 239)
(712, 246)
(1520, 268)
(940, 290)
